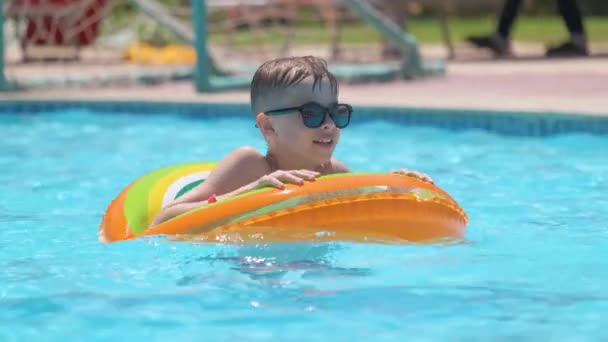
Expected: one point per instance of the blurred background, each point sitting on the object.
(100, 42)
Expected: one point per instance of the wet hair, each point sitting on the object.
(283, 73)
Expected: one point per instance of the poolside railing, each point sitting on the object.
(223, 44)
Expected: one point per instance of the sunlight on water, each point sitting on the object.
(532, 265)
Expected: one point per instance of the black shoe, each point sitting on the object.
(498, 45)
(567, 49)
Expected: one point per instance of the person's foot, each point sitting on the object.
(497, 44)
(568, 49)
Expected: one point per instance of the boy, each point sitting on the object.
(295, 101)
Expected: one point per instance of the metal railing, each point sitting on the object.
(212, 72)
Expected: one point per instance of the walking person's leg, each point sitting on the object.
(577, 45)
(507, 18)
(499, 41)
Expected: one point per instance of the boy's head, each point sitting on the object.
(279, 87)
(276, 79)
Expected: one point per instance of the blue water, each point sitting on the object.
(534, 263)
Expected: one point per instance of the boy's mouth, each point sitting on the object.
(324, 142)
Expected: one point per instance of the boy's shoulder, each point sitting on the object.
(246, 153)
(248, 158)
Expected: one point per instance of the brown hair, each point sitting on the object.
(283, 73)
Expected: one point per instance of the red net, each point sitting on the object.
(58, 22)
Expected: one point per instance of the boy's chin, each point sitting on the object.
(322, 160)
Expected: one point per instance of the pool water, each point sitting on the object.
(534, 263)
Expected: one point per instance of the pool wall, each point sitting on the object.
(535, 124)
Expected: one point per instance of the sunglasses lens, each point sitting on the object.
(313, 116)
(341, 116)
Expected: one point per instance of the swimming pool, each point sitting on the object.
(533, 263)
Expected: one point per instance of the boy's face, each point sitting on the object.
(290, 138)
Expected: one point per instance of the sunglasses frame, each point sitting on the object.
(326, 112)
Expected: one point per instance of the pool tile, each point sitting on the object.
(506, 123)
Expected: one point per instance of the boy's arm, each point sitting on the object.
(176, 209)
(233, 175)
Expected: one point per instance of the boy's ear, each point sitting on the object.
(263, 123)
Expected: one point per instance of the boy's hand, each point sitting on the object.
(278, 178)
(415, 174)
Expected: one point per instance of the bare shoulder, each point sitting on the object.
(244, 163)
(245, 154)
(240, 167)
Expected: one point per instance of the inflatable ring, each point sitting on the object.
(364, 207)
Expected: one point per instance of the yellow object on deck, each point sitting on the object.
(143, 53)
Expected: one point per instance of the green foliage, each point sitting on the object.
(544, 26)
(427, 30)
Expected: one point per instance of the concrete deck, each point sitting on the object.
(567, 85)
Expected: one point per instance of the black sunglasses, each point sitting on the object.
(314, 114)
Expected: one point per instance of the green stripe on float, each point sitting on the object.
(187, 188)
(136, 202)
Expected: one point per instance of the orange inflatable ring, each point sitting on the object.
(363, 207)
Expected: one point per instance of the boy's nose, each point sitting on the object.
(328, 123)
